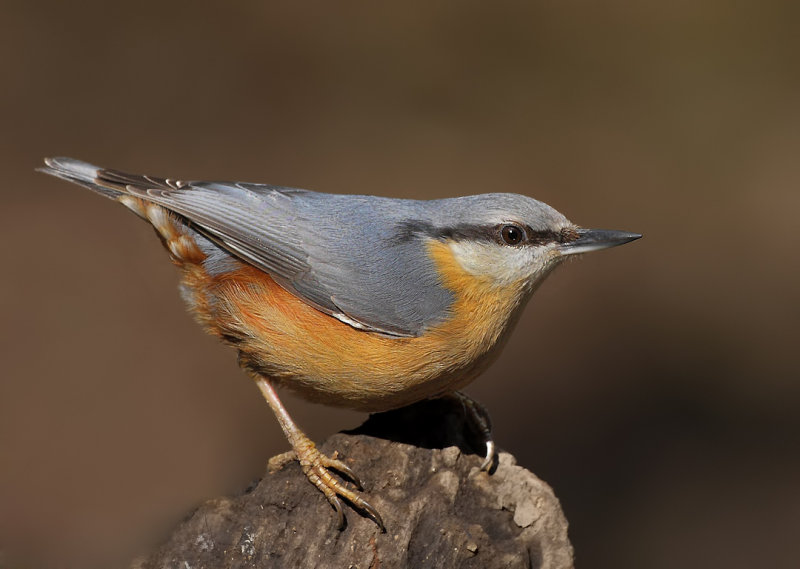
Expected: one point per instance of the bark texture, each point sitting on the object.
(420, 469)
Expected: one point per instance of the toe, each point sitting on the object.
(341, 467)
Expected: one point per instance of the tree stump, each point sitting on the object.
(420, 469)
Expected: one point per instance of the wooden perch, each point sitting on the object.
(420, 472)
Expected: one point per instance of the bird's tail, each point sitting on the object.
(128, 189)
(82, 173)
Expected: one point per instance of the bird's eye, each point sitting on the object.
(512, 234)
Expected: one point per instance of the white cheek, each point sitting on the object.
(504, 265)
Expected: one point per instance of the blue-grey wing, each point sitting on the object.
(344, 255)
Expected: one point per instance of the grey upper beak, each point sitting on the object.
(594, 239)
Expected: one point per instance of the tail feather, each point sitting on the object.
(110, 183)
(179, 240)
(81, 173)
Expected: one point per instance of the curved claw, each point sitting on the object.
(337, 505)
(333, 491)
(373, 513)
(341, 467)
(491, 454)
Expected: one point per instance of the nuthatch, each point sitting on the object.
(357, 301)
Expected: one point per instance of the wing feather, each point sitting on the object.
(337, 253)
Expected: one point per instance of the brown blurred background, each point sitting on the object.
(654, 386)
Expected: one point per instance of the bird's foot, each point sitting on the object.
(317, 468)
(478, 417)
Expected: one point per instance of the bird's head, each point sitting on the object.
(509, 239)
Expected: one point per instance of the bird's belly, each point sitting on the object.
(328, 361)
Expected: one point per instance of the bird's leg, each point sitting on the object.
(316, 465)
(478, 416)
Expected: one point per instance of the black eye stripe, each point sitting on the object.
(542, 237)
(407, 230)
(466, 232)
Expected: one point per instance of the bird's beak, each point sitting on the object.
(594, 239)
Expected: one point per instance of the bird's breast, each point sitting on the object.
(326, 360)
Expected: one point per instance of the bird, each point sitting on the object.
(357, 301)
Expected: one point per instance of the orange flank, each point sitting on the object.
(285, 339)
